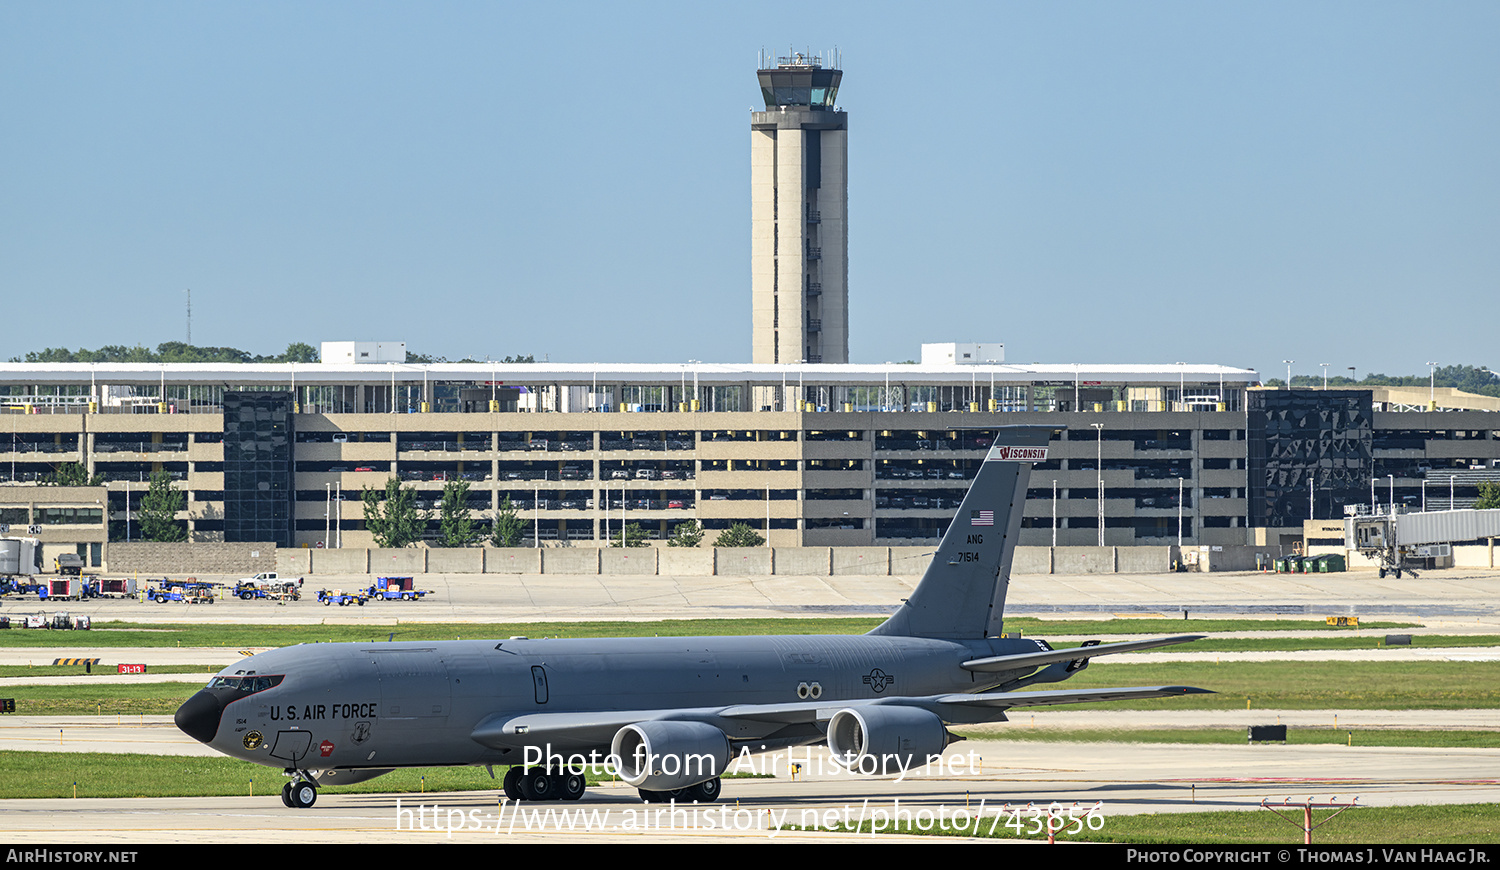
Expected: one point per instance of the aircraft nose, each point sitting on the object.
(199, 716)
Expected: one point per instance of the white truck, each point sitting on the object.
(268, 584)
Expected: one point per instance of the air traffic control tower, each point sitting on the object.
(799, 215)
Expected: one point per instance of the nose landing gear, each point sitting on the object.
(301, 793)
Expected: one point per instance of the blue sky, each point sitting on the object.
(1235, 183)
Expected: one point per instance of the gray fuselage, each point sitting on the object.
(386, 705)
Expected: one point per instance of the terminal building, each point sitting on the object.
(800, 445)
(809, 455)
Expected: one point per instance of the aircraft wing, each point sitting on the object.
(565, 730)
(1006, 700)
(1047, 657)
(956, 707)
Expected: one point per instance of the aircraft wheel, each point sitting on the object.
(539, 785)
(304, 795)
(573, 786)
(286, 794)
(1382, 573)
(706, 792)
(650, 797)
(512, 783)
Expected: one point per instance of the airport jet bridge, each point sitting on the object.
(1401, 540)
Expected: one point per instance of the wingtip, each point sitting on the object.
(1190, 690)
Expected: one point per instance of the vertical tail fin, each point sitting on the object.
(962, 595)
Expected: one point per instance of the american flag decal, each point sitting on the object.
(981, 518)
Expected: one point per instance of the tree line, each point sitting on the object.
(1469, 379)
(393, 518)
(181, 352)
(169, 352)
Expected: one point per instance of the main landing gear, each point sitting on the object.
(301, 793)
(541, 784)
(702, 793)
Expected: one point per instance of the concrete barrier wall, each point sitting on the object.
(459, 560)
(801, 561)
(563, 560)
(1472, 556)
(1143, 560)
(910, 561)
(409, 560)
(742, 560)
(341, 562)
(1031, 560)
(180, 559)
(689, 561)
(860, 561)
(512, 560)
(628, 560)
(294, 562)
(220, 559)
(1084, 560)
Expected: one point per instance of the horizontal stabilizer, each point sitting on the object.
(1021, 661)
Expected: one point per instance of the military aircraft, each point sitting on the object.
(669, 713)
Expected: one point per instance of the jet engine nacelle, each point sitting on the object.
(885, 738)
(662, 756)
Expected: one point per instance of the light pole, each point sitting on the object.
(1325, 374)
(1099, 428)
(1393, 494)
(327, 512)
(1054, 514)
(1451, 478)
(1182, 385)
(1288, 372)
(1179, 515)
(1431, 385)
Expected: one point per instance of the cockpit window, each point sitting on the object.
(246, 685)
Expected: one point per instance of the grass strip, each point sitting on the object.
(110, 775)
(1239, 686)
(1295, 644)
(1295, 736)
(99, 670)
(239, 636)
(1453, 823)
(1304, 685)
(102, 699)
